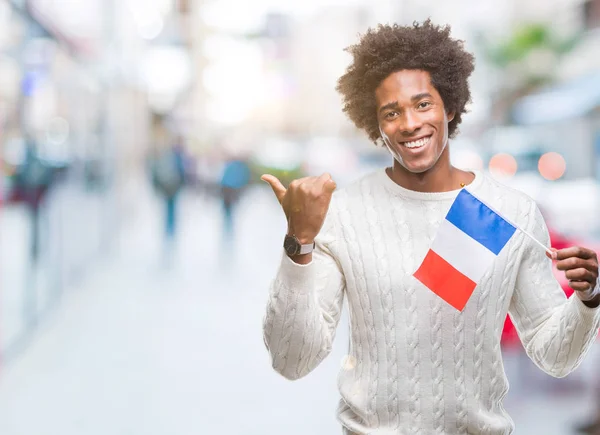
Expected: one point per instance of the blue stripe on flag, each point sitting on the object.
(480, 222)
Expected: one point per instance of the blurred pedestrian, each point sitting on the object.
(425, 354)
(32, 181)
(235, 178)
(169, 177)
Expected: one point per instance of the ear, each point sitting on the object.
(450, 116)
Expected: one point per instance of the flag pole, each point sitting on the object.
(544, 247)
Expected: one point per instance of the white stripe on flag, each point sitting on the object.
(465, 254)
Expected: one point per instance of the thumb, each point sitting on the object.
(276, 185)
(330, 185)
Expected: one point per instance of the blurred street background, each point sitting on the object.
(137, 242)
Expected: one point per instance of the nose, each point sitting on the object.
(411, 122)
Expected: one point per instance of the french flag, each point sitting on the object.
(467, 243)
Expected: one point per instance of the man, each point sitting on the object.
(169, 177)
(235, 179)
(416, 364)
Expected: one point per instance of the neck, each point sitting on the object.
(443, 177)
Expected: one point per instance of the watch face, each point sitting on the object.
(291, 245)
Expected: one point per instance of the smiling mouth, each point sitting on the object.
(416, 144)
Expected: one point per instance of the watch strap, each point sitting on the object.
(306, 249)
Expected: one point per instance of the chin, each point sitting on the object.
(417, 168)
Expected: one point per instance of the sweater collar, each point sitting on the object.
(395, 188)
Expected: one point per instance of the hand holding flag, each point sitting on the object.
(469, 240)
(466, 245)
(580, 266)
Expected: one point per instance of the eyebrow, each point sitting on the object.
(394, 104)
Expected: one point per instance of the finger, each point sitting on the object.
(553, 255)
(580, 286)
(580, 274)
(330, 186)
(299, 181)
(575, 263)
(574, 251)
(322, 180)
(276, 185)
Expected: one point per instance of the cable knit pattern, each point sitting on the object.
(412, 349)
(412, 355)
(307, 342)
(437, 353)
(459, 373)
(358, 307)
(372, 218)
(286, 336)
(437, 368)
(498, 383)
(349, 238)
(480, 323)
(270, 317)
(401, 234)
(382, 259)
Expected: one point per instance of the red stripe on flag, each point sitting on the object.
(445, 281)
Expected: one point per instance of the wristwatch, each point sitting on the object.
(292, 246)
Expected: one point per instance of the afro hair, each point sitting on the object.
(388, 49)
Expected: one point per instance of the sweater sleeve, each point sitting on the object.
(303, 309)
(556, 332)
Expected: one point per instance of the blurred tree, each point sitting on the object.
(525, 61)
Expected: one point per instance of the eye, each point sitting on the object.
(390, 115)
(424, 104)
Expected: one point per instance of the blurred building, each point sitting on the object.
(76, 87)
(563, 115)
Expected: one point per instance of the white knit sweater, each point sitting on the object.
(417, 365)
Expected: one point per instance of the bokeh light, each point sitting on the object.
(552, 166)
(503, 165)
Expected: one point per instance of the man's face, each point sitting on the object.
(412, 119)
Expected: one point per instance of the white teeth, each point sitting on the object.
(417, 143)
